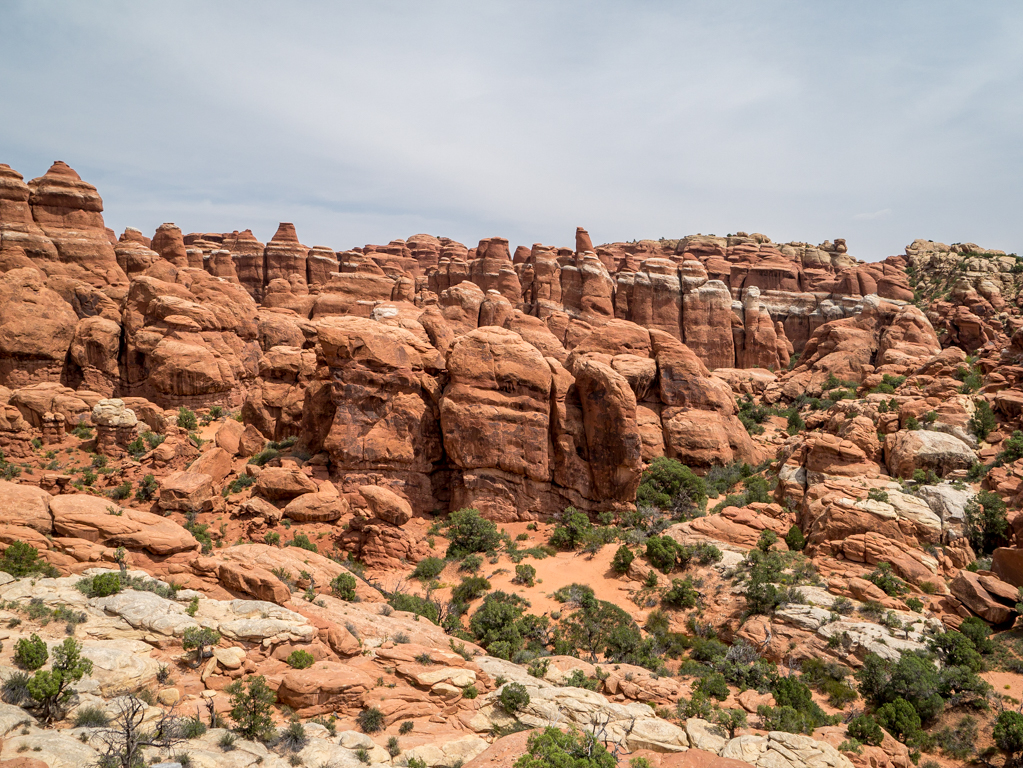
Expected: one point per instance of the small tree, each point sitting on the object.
(899, 718)
(200, 640)
(187, 420)
(103, 585)
(767, 540)
(571, 532)
(251, 708)
(682, 594)
(52, 689)
(622, 560)
(1008, 735)
(986, 523)
(983, 421)
(147, 489)
(469, 532)
(553, 748)
(343, 586)
(865, 729)
(670, 484)
(126, 738)
(21, 560)
(513, 697)
(731, 720)
(794, 539)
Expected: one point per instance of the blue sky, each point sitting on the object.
(879, 122)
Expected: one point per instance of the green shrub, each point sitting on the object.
(1008, 734)
(371, 720)
(469, 532)
(21, 560)
(983, 421)
(471, 588)
(795, 423)
(429, 568)
(622, 559)
(415, 604)
(302, 541)
(987, 525)
(471, 563)
(714, 686)
(767, 540)
(343, 586)
(525, 574)
(187, 420)
(264, 456)
(101, 585)
(239, 484)
(669, 484)
(122, 491)
(682, 594)
(90, 716)
(887, 581)
(1012, 449)
(663, 553)
(878, 494)
(553, 748)
(30, 653)
(794, 539)
(572, 531)
(147, 489)
(299, 659)
(900, 719)
(865, 729)
(513, 697)
(979, 634)
(15, 688)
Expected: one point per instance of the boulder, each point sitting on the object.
(328, 687)
(215, 462)
(386, 505)
(909, 450)
(229, 436)
(316, 508)
(994, 608)
(280, 483)
(187, 492)
(81, 516)
(26, 505)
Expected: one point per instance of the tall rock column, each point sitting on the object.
(286, 259)
(760, 340)
(707, 317)
(613, 442)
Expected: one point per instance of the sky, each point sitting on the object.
(878, 122)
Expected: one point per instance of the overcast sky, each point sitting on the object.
(362, 122)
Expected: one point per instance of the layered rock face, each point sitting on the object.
(518, 383)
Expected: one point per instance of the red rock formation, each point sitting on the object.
(286, 259)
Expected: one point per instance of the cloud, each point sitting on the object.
(884, 213)
(367, 122)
